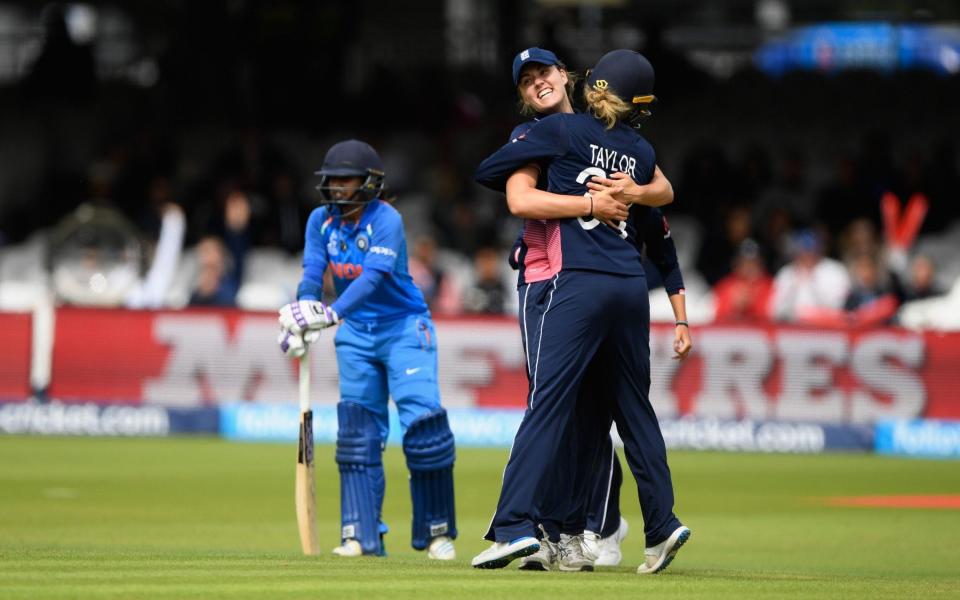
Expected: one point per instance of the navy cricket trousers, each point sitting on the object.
(572, 320)
(579, 492)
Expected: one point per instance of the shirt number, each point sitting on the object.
(588, 225)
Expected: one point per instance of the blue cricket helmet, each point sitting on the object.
(351, 158)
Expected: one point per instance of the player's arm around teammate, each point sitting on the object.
(596, 279)
(385, 346)
(543, 87)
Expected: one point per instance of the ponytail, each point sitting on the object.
(606, 106)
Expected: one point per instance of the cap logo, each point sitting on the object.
(600, 84)
(524, 55)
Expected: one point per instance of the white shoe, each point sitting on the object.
(441, 548)
(661, 555)
(500, 554)
(350, 547)
(591, 544)
(607, 552)
(572, 557)
(541, 560)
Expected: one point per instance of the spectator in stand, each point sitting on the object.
(745, 293)
(223, 250)
(722, 243)
(858, 238)
(870, 301)
(488, 293)
(286, 215)
(425, 271)
(96, 255)
(810, 285)
(217, 282)
(922, 282)
(774, 237)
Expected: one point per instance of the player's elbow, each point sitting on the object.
(664, 196)
(519, 205)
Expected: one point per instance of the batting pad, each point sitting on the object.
(362, 484)
(429, 448)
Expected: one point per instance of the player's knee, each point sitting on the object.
(358, 436)
(428, 443)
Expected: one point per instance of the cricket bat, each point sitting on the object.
(306, 494)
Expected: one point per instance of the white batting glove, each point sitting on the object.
(304, 315)
(295, 345)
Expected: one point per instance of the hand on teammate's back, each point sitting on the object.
(617, 183)
(608, 209)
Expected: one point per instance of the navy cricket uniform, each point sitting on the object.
(586, 300)
(554, 506)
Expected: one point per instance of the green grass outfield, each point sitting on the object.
(204, 518)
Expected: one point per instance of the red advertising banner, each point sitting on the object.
(760, 372)
(15, 332)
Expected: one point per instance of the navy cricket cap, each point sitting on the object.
(533, 55)
(626, 73)
(350, 158)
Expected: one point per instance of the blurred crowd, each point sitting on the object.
(815, 198)
(768, 246)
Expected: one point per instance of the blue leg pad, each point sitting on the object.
(428, 445)
(362, 484)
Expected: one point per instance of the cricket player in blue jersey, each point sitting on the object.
(589, 307)
(544, 85)
(386, 345)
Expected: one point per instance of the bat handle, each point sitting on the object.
(305, 382)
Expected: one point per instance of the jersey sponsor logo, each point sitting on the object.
(333, 244)
(383, 250)
(346, 270)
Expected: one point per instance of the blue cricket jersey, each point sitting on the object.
(373, 249)
(576, 147)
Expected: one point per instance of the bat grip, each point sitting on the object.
(305, 382)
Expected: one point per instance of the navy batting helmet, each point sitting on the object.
(351, 158)
(629, 75)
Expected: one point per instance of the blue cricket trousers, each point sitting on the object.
(575, 322)
(393, 358)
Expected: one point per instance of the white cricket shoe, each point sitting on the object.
(543, 559)
(500, 554)
(572, 557)
(350, 547)
(661, 555)
(591, 544)
(606, 551)
(441, 548)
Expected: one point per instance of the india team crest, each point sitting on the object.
(363, 242)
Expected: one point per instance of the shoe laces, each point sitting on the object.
(550, 548)
(593, 544)
(571, 548)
